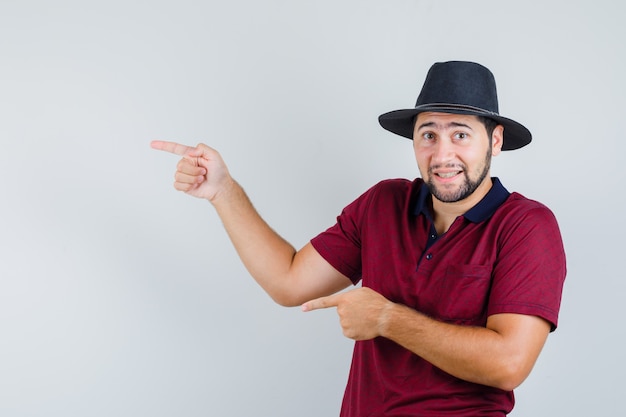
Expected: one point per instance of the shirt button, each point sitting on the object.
(429, 256)
(433, 236)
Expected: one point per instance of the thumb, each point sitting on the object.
(204, 153)
(201, 150)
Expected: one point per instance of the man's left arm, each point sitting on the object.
(500, 355)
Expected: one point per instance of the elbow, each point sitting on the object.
(285, 302)
(287, 292)
(285, 298)
(512, 374)
(509, 384)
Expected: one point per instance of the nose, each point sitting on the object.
(442, 152)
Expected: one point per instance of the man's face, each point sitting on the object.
(453, 154)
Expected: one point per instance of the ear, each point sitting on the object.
(497, 137)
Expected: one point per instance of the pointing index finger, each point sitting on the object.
(171, 147)
(322, 302)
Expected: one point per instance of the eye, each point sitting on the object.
(461, 135)
(428, 136)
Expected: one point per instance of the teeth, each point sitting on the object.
(447, 174)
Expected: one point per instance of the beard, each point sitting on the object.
(466, 189)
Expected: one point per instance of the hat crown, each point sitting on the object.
(459, 83)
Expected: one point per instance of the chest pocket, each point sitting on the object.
(462, 293)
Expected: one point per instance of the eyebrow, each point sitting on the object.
(451, 124)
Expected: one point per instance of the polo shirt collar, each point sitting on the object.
(480, 212)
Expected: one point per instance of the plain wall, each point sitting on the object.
(120, 296)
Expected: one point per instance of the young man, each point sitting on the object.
(461, 280)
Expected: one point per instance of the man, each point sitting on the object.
(461, 280)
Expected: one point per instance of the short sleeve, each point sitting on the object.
(530, 271)
(340, 244)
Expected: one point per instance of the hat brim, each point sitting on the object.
(402, 122)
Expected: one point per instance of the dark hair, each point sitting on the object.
(489, 124)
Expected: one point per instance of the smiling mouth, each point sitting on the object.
(448, 174)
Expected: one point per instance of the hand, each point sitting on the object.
(201, 172)
(361, 311)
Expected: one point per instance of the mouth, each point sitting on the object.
(447, 175)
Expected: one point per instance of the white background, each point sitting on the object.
(121, 297)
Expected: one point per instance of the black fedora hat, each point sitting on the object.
(457, 87)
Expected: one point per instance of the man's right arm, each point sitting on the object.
(290, 277)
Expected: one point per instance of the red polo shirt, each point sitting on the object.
(505, 255)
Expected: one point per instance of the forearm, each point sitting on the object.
(264, 253)
(476, 354)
